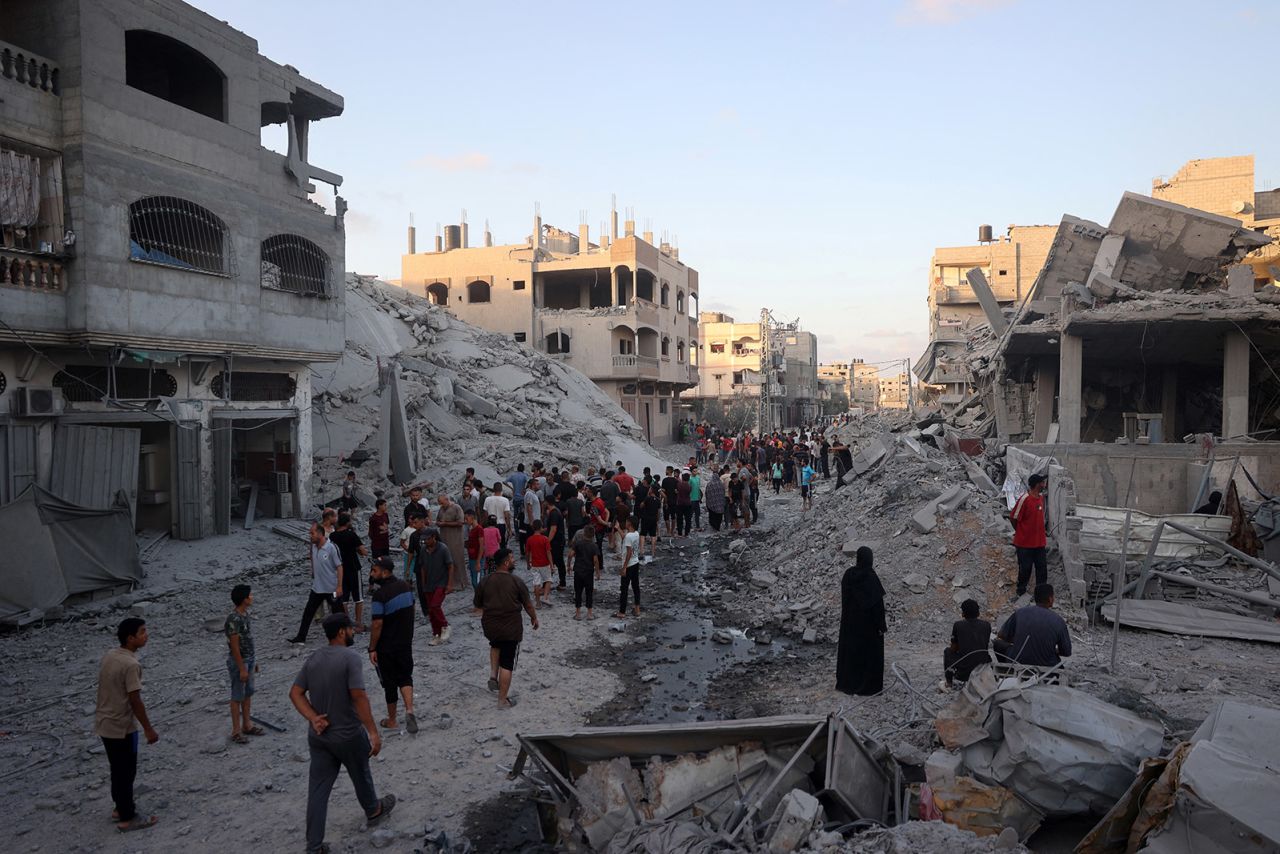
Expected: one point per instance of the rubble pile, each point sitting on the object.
(933, 518)
(469, 398)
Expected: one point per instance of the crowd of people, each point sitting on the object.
(512, 547)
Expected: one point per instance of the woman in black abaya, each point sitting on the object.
(860, 656)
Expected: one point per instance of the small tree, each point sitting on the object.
(836, 404)
(734, 417)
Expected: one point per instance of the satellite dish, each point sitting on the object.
(1239, 206)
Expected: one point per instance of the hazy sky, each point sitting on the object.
(808, 155)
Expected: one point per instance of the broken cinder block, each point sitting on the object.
(798, 815)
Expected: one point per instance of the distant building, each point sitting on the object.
(1010, 265)
(165, 281)
(859, 381)
(621, 311)
(730, 368)
(895, 391)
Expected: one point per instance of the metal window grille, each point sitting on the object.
(253, 386)
(177, 233)
(295, 264)
(92, 383)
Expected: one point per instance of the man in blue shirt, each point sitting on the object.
(806, 485)
(1035, 635)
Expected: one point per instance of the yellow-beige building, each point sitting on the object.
(1010, 264)
(895, 391)
(623, 311)
(858, 381)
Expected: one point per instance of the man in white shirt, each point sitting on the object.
(630, 569)
(326, 581)
(498, 506)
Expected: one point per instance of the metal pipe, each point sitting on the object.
(1268, 568)
(1256, 598)
(776, 780)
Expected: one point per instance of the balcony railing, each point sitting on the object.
(632, 364)
(24, 67)
(27, 271)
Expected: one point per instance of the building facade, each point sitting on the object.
(895, 391)
(731, 369)
(165, 280)
(859, 382)
(622, 311)
(1010, 265)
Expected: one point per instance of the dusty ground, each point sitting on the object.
(210, 793)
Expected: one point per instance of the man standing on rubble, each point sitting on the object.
(501, 597)
(451, 520)
(1035, 635)
(1027, 518)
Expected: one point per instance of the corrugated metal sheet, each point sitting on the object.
(91, 464)
(1103, 532)
(187, 439)
(17, 459)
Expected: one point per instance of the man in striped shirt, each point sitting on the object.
(391, 641)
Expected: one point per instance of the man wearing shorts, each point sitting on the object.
(538, 549)
(391, 641)
(806, 485)
(500, 598)
(241, 664)
(351, 549)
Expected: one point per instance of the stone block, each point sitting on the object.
(142, 610)
(809, 636)
(942, 768)
(798, 815)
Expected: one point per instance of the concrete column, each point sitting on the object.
(613, 283)
(1235, 385)
(1169, 405)
(1046, 385)
(1070, 387)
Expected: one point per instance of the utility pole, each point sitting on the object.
(765, 425)
(906, 372)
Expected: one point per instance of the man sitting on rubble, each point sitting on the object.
(1035, 635)
(968, 649)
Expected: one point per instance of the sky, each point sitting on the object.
(806, 157)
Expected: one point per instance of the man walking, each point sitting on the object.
(326, 581)
(350, 549)
(329, 692)
(116, 717)
(432, 563)
(501, 597)
(556, 534)
(630, 570)
(391, 641)
(538, 549)
(1027, 518)
(499, 507)
(450, 519)
(715, 495)
(1035, 635)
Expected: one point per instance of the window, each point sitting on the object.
(438, 293)
(680, 302)
(520, 337)
(666, 290)
(662, 406)
(478, 292)
(252, 386)
(174, 72)
(295, 264)
(625, 347)
(717, 347)
(1003, 273)
(31, 206)
(737, 377)
(517, 285)
(178, 233)
(90, 383)
(680, 352)
(666, 346)
(557, 342)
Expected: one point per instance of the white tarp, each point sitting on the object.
(1020, 465)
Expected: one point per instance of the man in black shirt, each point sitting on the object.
(968, 649)
(670, 486)
(350, 548)
(391, 641)
(555, 531)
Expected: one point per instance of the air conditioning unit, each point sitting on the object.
(39, 402)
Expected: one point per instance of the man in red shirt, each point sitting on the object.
(380, 530)
(1029, 540)
(625, 482)
(538, 549)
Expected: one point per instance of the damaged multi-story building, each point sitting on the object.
(1010, 264)
(165, 280)
(622, 311)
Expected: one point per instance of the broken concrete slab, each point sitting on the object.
(473, 403)
(798, 815)
(926, 518)
(1181, 619)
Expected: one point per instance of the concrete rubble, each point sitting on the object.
(468, 397)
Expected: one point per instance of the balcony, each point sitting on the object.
(632, 365)
(25, 68)
(34, 272)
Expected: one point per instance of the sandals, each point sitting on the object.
(411, 723)
(493, 684)
(255, 730)
(239, 738)
(387, 804)
(138, 822)
(386, 723)
(511, 703)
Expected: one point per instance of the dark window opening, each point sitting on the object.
(644, 285)
(557, 342)
(625, 346)
(478, 292)
(174, 72)
(717, 348)
(662, 406)
(666, 292)
(520, 336)
(666, 346)
(438, 293)
(517, 285)
(737, 377)
(295, 264)
(90, 383)
(680, 302)
(178, 233)
(253, 386)
(1003, 272)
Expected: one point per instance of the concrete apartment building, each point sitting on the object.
(859, 382)
(895, 391)
(165, 280)
(730, 368)
(1010, 265)
(621, 311)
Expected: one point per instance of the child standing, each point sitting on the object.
(241, 665)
